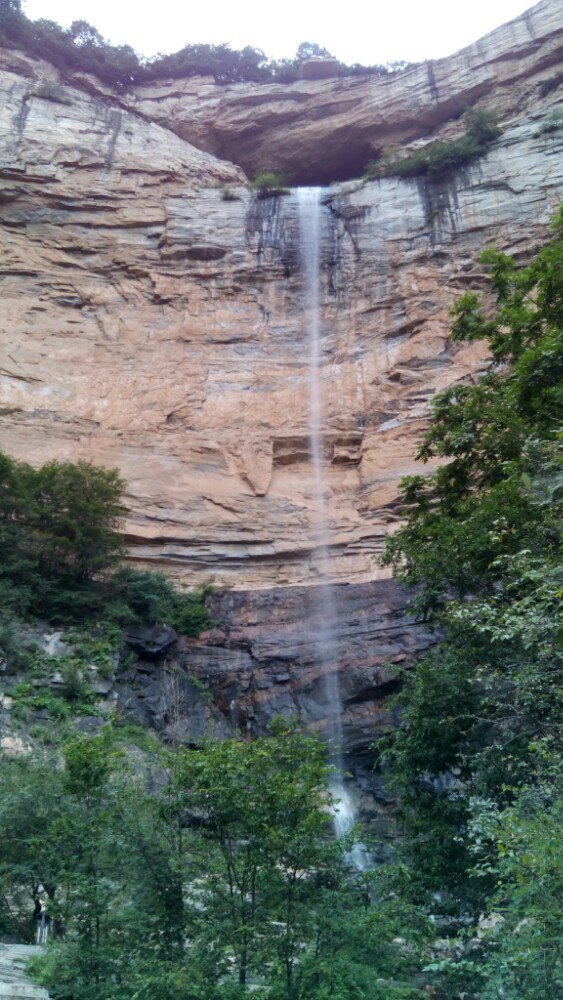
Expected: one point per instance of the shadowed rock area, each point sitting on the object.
(321, 131)
(262, 661)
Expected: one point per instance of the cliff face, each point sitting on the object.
(262, 660)
(321, 131)
(153, 318)
(152, 325)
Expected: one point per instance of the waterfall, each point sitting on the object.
(344, 820)
(325, 626)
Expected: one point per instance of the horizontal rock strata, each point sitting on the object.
(319, 131)
(152, 316)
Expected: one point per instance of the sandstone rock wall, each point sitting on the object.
(326, 130)
(151, 324)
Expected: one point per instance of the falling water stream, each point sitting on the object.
(326, 631)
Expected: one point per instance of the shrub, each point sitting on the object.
(552, 122)
(481, 125)
(27, 698)
(98, 648)
(13, 651)
(75, 687)
(440, 159)
(142, 596)
(269, 184)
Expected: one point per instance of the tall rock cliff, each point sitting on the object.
(152, 307)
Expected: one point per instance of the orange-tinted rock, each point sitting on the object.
(150, 324)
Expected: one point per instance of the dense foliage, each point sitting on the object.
(61, 553)
(58, 533)
(440, 158)
(475, 762)
(81, 48)
(222, 882)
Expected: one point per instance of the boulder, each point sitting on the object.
(150, 641)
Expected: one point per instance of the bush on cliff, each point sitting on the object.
(440, 159)
(269, 184)
(145, 597)
(62, 550)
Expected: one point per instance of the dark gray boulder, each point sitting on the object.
(150, 641)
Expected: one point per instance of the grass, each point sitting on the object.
(551, 123)
(129, 732)
(27, 699)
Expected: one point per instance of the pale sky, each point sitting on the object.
(366, 31)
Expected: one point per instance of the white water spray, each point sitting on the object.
(326, 631)
(344, 821)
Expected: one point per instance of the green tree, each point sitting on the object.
(11, 19)
(61, 548)
(495, 440)
(221, 881)
(310, 50)
(59, 528)
(264, 825)
(481, 543)
(76, 517)
(30, 806)
(115, 878)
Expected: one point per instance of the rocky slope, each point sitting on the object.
(260, 661)
(14, 983)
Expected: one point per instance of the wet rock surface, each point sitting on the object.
(263, 661)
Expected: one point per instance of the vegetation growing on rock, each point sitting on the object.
(441, 158)
(269, 184)
(476, 765)
(81, 48)
(62, 552)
